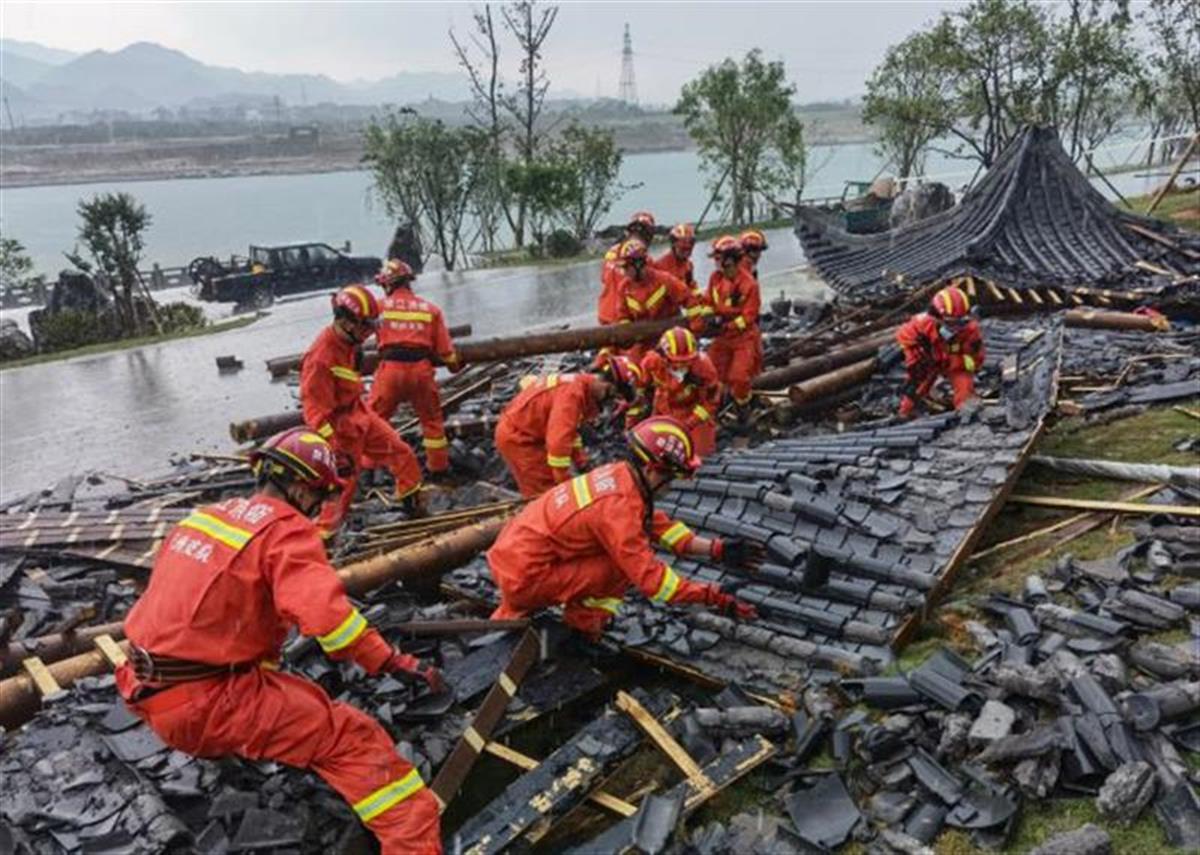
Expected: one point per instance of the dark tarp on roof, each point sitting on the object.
(1034, 219)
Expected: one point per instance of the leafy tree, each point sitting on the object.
(428, 172)
(111, 231)
(908, 98)
(16, 268)
(543, 190)
(749, 137)
(1175, 29)
(592, 164)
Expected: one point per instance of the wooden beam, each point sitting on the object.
(1110, 507)
(528, 764)
(111, 650)
(1163, 190)
(41, 676)
(1193, 413)
(665, 742)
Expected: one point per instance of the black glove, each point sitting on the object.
(736, 552)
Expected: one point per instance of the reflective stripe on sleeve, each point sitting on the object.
(673, 535)
(347, 633)
(667, 587)
(389, 796)
(557, 462)
(325, 430)
(435, 442)
(217, 530)
(612, 605)
(701, 413)
(343, 373)
(582, 491)
(969, 363)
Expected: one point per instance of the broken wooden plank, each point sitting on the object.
(524, 761)
(1111, 507)
(111, 650)
(43, 680)
(458, 765)
(665, 741)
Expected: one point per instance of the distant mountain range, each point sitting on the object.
(42, 83)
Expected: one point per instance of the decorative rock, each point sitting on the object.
(1087, 840)
(1126, 792)
(995, 721)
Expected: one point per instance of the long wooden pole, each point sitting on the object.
(1162, 191)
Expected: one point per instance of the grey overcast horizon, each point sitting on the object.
(829, 48)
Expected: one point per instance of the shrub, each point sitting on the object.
(179, 317)
(560, 243)
(72, 328)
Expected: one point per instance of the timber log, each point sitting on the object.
(19, 698)
(60, 645)
(781, 378)
(281, 366)
(824, 385)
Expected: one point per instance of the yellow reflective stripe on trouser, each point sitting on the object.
(668, 586)
(583, 492)
(388, 797)
(674, 534)
(701, 413)
(343, 373)
(612, 605)
(408, 316)
(347, 633)
(435, 442)
(557, 462)
(217, 530)
(325, 430)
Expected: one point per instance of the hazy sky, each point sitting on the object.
(828, 47)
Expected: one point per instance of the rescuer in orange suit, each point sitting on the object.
(630, 384)
(583, 544)
(677, 260)
(753, 243)
(734, 301)
(686, 386)
(944, 342)
(228, 583)
(648, 293)
(412, 336)
(538, 433)
(331, 396)
(641, 226)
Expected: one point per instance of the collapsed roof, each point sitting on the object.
(1034, 220)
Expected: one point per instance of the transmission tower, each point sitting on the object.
(628, 88)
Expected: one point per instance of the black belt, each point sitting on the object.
(167, 671)
(394, 353)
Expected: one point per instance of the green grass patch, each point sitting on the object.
(1044, 819)
(129, 343)
(1181, 207)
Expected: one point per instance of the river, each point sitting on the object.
(127, 411)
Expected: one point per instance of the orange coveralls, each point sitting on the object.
(736, 352)
(609, 309)
(331, 397)
(538, 433)
(412, 332)
(656, 295)
(928, 356)
(694, 401)
(227, 584)
(582, 545)
(683, 269)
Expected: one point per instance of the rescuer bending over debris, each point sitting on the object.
(228, 583)
(943, 342)
(412, 336)
(734, 301)
(331, 396)
(686, 386)
(641, 226)
(538, 433)
(584, 543)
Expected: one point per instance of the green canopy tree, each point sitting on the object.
(592, 164)
(749, 137)
(112, 230)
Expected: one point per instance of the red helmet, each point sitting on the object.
(753, 239)
(356, 303)
(678, 346)
(298, 455)
(725, 245)
(393, 274)
(951, 303)
(625, 374)
(633, 251)
(643, 220)
(661, 442)
(683, 234)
